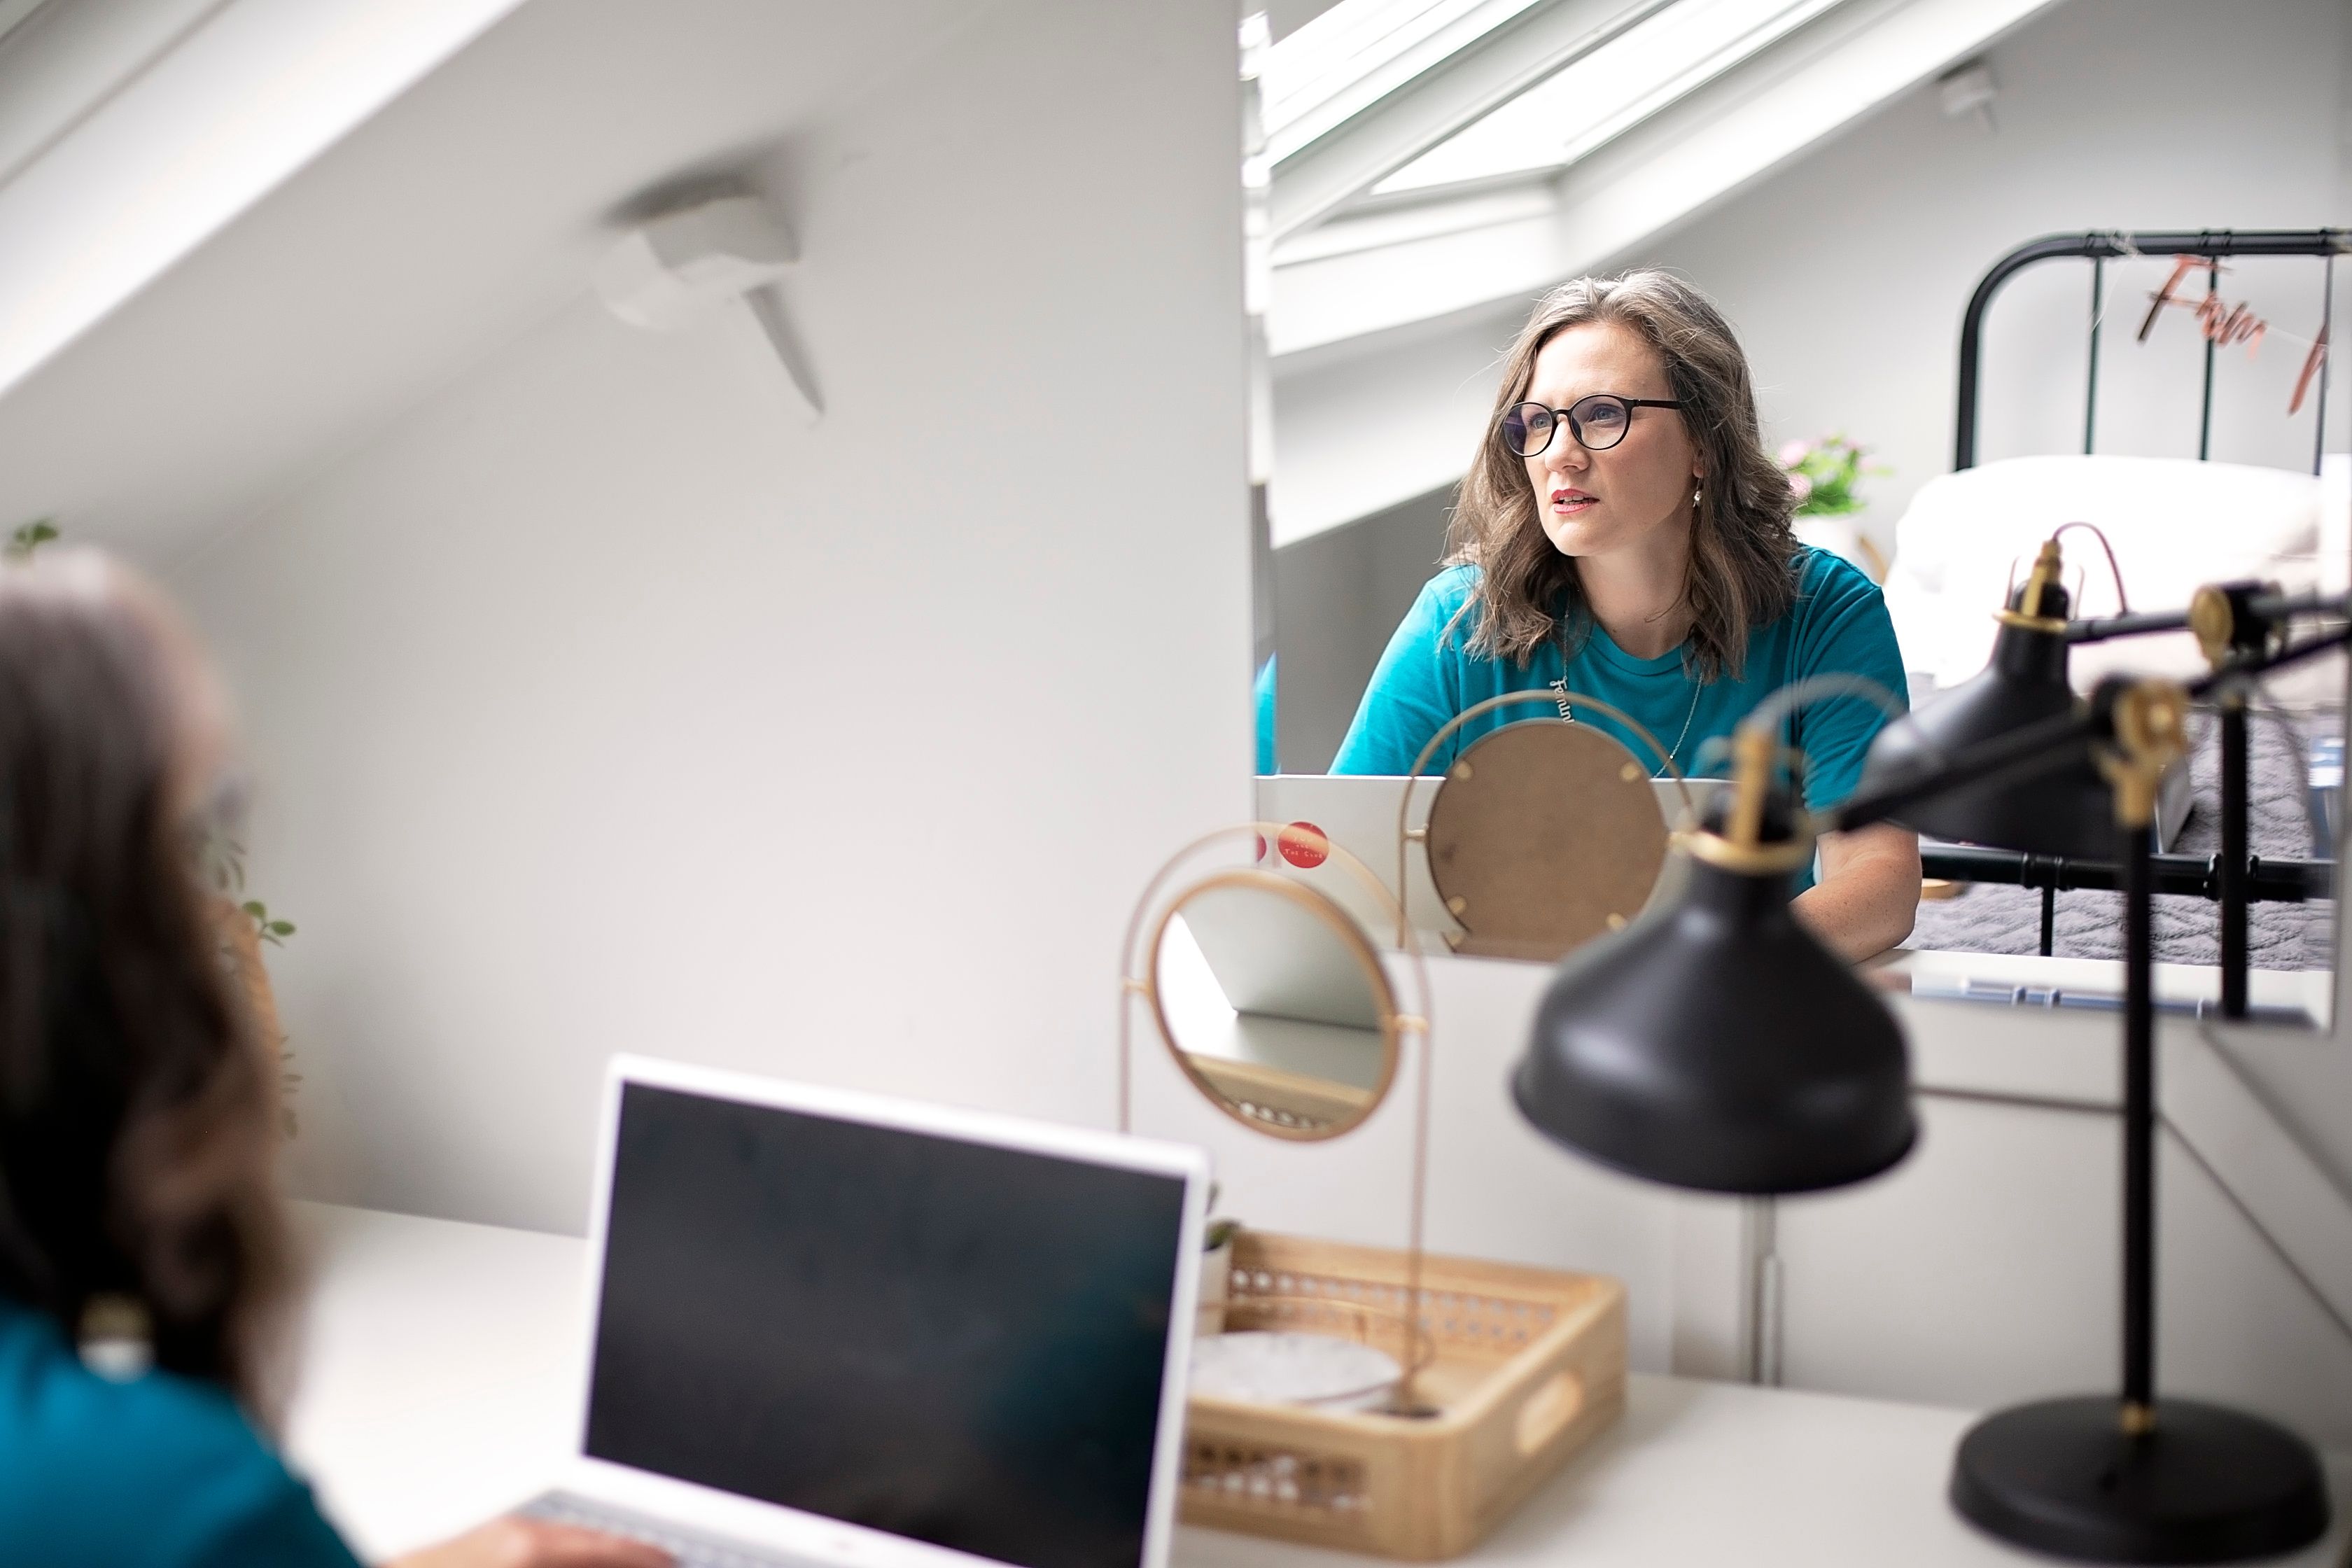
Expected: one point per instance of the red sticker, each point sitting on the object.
(1305, 846)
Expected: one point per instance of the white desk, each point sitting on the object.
(438, 1383)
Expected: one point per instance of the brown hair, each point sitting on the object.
(138, 1111)
(1742, 571)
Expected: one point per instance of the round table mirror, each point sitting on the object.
(1275, 1004)
(1541, 838)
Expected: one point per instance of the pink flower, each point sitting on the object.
(1802, 488)
(1795, 452)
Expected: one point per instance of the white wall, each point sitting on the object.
(1847, 273)
(599, 707)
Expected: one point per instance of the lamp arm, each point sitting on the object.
(2047, 746)
(2131, 625)
(2268, 607)
(2239, 669)
(2025, 753)
(1812, 689)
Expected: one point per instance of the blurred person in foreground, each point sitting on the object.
(145, 1271)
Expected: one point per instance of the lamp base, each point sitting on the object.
(2204, 1484)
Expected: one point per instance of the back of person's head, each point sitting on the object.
(137, 1108)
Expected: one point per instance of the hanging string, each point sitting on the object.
(2318, 357)
(2205, 420)
(2091, 381)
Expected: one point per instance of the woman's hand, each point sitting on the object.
(515, 1541)
(1869, 891)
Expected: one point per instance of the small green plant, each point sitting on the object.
(220, 860)
(271, 931)
(1826, 475)
(28, 537)
(1217, 1232)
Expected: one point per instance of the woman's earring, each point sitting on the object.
(1695, 497)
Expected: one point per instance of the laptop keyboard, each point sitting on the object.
(687, 1548)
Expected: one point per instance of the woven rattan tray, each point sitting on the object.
(1529, 1365)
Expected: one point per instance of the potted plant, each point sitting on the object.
(1825, 475)
(1217, 1269)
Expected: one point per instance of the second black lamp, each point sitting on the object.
(2069, 812)
(1715, 1043)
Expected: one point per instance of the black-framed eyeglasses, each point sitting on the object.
(1598, 421)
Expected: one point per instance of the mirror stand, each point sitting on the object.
(1283, 954)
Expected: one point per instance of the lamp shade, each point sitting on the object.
(2068, 812)
(1714, 1043)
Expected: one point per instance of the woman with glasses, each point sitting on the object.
(1624, 534)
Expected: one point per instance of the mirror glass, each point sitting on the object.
(1273, 1003)
(1403, 222)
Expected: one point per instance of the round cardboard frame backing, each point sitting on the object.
(1542, 837)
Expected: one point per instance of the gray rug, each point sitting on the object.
(1990, 919)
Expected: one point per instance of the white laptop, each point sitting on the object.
(1358, 812)
(835, 1329)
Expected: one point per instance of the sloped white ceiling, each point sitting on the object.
(133, 131)
(1357, 295)
(1375, 265)
(468, 209)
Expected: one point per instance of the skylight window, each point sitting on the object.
(1359, 51)
(1607, 91)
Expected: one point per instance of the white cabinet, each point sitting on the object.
(1984, 1270)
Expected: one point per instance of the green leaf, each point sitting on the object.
(29, 537)
(255, 908)
(281, 928)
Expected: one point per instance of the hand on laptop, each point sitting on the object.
(515, 1541)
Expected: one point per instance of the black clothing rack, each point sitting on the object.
(2234, 877)
(2099, 246)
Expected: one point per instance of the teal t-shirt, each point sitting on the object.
(1838, 624)
(160, 1471)
(1262, 696)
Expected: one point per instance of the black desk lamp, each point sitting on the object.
(2068, 812)
(1714, 1043)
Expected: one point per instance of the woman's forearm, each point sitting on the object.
(1869, 892)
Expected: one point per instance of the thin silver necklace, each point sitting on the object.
(1568, 714)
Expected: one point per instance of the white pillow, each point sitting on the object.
(2175, 524)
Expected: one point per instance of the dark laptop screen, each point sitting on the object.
(955, 1342)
